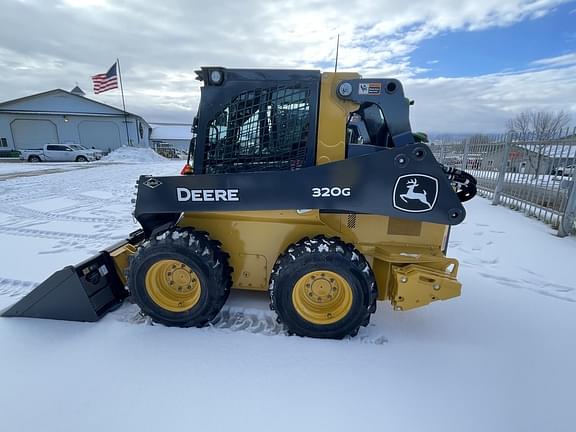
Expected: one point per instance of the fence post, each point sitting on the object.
(502, 170)
(568, 220)
(465, 155)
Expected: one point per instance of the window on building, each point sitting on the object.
(3, 142)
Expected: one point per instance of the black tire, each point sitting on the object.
(199, 253)
(332, 255)
(81, 159)
(34, 158)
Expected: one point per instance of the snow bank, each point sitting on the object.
(134, 154)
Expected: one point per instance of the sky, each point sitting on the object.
(469, 65)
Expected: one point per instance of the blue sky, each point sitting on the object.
(500, 49)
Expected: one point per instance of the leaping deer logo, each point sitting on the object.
(411, 195)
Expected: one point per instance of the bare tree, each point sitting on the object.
(537, 127)
(520, 125)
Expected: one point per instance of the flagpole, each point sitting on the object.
(123, 103)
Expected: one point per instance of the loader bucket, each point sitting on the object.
(84, 292)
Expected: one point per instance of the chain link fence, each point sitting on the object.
(531, 173)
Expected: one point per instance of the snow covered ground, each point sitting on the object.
(500, 358)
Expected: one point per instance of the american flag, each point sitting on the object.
(106, 81)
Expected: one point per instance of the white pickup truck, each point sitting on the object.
(58, 153)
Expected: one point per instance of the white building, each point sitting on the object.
(59, 116)
(176, 135)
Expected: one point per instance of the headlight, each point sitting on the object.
(216, 77)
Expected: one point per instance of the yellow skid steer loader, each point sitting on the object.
(310, 186)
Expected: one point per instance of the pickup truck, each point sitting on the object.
(57, 153)
(98, 154)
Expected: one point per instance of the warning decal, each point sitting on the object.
(370, 89)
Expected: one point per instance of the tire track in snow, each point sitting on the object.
(559, 292)
(16, 288)
(25, 213)
(55, 235)
(237, 319)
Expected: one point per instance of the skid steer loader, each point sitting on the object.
(310, 186)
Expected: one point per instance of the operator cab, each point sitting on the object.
(267, 120)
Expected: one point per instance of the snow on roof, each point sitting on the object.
(12, 105)
(175, 131)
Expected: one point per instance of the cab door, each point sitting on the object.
(58, 153)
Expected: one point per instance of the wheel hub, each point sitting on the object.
(322, 297)
(320, 288)
(173, 285)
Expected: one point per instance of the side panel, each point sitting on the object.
(332, 118)
(386, 242)
(382, 183)
(246, 236)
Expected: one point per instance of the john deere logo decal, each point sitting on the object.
(415, 193)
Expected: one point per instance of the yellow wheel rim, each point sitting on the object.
(322, 297)
(173, 285)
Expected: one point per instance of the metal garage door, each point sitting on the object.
(29, 134)
(104, 135)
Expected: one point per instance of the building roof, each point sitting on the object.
(171, 131)
(78, 91)
(32, 105)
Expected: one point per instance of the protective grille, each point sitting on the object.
(351, 221)
(260, 130)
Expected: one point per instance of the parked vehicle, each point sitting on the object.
(568, 170)
(58, 153)
(98, 154)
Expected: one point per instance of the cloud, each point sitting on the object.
(484, 103)
(160, 44)
(563, 60)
